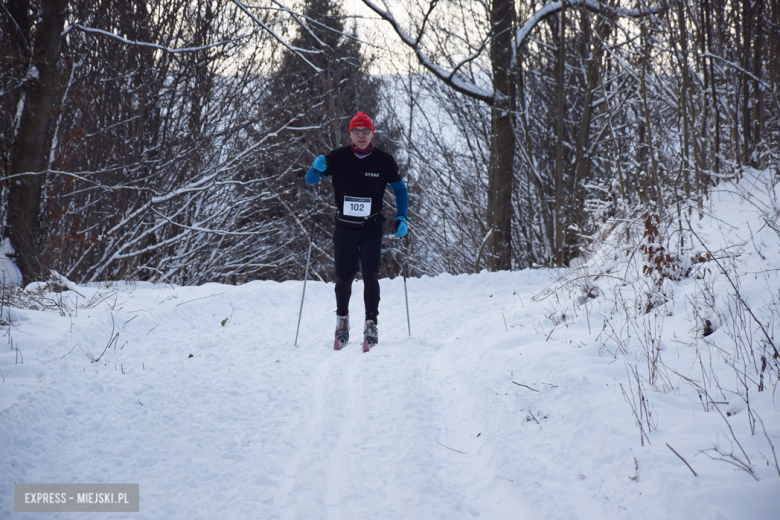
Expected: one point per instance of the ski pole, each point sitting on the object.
(406, 296)
(308, 258)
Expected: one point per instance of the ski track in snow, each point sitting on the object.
(428, 426)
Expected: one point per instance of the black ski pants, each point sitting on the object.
(353, 247)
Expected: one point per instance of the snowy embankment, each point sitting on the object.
(512, 398)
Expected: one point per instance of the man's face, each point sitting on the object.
(361, 137)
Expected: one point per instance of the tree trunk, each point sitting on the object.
(546, 231)
(30, 147)
(559, 188)
(653, 166)
(686, 163)
(20, 35)
(774, 47)
(591, 57)
(502, 146)
(747, 125)
(757, 103)
(707, 8)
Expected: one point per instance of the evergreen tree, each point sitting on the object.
(331, 96)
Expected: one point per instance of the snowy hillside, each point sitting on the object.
(591, 393)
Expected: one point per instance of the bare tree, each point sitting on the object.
(155, 164)
(28, 159)
(175, 134)
(457, 58)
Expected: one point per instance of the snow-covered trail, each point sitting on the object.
(475, 415)
(250, 426)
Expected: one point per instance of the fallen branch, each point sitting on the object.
(71, 350)
(526, 386)
(682, 459)
(202, 298)
(453, 449)
(110, 341)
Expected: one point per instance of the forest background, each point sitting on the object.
(167, 141)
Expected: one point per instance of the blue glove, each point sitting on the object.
(320, 163)
(400, 226)
(313, 176)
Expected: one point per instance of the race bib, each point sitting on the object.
(357, 206)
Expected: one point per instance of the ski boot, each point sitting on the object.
(342, 332)
(370, 335)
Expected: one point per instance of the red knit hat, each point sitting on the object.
(361, 119)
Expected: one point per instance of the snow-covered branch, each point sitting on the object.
(597, 7)
(447, 76)
(297, 50)
(135, 43)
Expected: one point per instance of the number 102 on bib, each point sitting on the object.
(357, 206)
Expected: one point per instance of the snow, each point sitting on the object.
(507, 400)
(10, 276)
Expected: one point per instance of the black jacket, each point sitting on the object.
(359, 184)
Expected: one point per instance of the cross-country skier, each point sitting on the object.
(359, 173)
